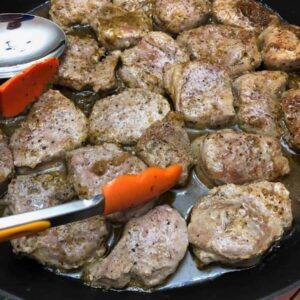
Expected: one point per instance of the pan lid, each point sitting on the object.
(25, 39)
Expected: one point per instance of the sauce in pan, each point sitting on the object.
(189, 271)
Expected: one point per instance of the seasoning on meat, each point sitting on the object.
(82, 66)
(291, 111)
(67, 13)
(143, 64)
(201, 92)
(53, 126)
(248, 14)
(258, 97)
(6, 159)
(227, 156)
(234, 224)
(124, 117)
(166, 143)
(175, 16)
(92, 167)
(281, 47)
(117, 28)
(149, 251)
(65, 247)
(229, 46)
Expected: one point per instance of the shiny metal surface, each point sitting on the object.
(59, 214)
(25, 39)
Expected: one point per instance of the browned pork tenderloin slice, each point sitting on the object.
(84, 66)
(117, 28)
(149, 251)
(124, 117)
(231, 47)
(227, 156)
(258, 97)
(236, 224)
(6, 159)
(175, 16)
(248, 14)
(143, 64)
(166, 143)
(91, 167)
(291, 110)
(53, 126)
(281, 47)
(65, 247)
(67, 13)
(201, 92)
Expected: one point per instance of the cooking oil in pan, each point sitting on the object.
(183, 199)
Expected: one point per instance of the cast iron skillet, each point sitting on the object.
(277, 274)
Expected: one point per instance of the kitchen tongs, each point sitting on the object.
(119, 194)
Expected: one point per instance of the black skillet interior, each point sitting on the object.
(279, 272)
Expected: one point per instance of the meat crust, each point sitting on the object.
(281, 47)
(291, 111)
(65, 247)
(258, 97)
(117, 28)
(201, 92)
(227, 156)
(67, 13)
(133, 5)
(233, 224)
(165, 143)
(149, 251)
(248, 14)
(6, 159)
(53, 126)
(124, 117)
(82, 66)
(143, 64)
(91, 167)
(175, 16)
(231, 47)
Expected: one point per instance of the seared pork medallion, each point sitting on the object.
(149, 251)
(83, 66)
(234, 224)
(143, 64)
(258, 97)
(117, 28)
(281, 47)
(248, 14)
(53, 126)
(67, 13)
(64, 247)
(165, 143)
(231, 47)
(93, 166)
(124, 117)
(175, 16)
(201, 91)
(291, 111)
(227, 156)
(6, 159)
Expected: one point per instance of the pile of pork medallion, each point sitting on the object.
(172, 64)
